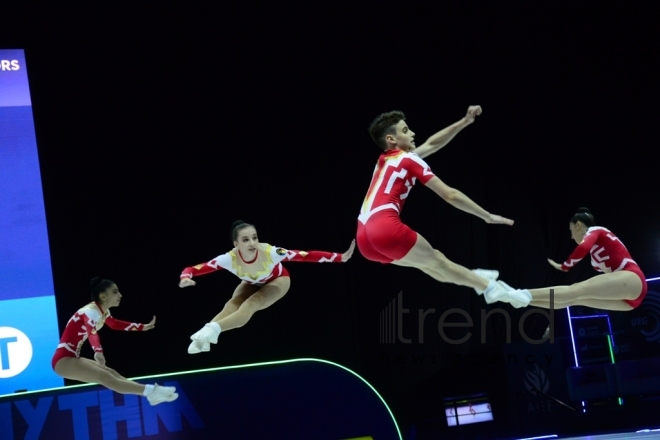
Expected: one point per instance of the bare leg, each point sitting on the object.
(433, 263)
(546, 304)
(430, 272)
(263, 298)
(108, 369)
(614, 286)
(600, 304)
(242, 292)
(85, 370)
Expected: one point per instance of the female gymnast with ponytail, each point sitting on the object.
(263, 279)
(621, 287)
(84, 325)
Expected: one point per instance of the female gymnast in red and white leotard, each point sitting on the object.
(263, 279)
(382, 237)
(622, 285)
(84, 325)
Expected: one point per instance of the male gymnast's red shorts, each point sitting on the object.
(384, 238)
(632, 267)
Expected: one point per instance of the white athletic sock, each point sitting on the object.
(148, 389)
(215, 325)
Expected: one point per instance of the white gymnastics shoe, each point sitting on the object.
(208, 333)
(197, 347)
(494, 293)
(518, 298)
(162, 394)
(488, 274)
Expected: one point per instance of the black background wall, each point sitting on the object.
(158, 125)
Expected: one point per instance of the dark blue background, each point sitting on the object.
(298, 400)
(159, 125)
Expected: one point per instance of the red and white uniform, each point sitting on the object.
(85, 324)
(381, 236)
(608, 254)
(264, 267)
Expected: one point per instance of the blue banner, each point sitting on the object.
(14, 90)
(28, 315)
(297, 399)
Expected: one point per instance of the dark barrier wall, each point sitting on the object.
(305, 399)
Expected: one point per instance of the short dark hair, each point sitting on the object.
(584, 216)
(97, 286)
(237, 226)
(383, 125)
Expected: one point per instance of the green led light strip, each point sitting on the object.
(233, 367)
(609, 341)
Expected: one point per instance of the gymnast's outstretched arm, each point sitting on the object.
(444, 136)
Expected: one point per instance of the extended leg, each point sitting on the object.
(434, 263)
(88, 371)
(600, 304)
(614, 286)
(242, 292)
(264, 297)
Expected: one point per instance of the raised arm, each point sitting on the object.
(442, 138)
(185, 279)
(117, 324)
(459, 200)
(318, 256)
